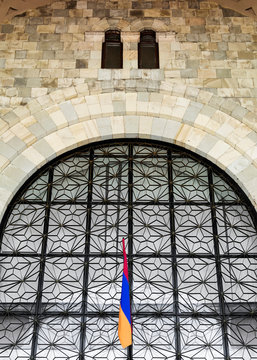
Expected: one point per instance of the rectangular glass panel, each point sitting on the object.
(153, 338)
(242, 337)
(110, 179)
(193, 229)
(151, 229)
(104, 284)
(108, 225)
(197, 285)
(18, 279)
(201, 338)
(15, 337)
(102, 340)
(150, 180)
(236, 231)
(152, 285)
(190, 181)
(63, 284)
(148, 56)
(239, 281)
(24, 229)
(58, 338)
(67, 229)
(70, 180)
(112, 55)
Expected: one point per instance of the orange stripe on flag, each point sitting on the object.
(124, 330)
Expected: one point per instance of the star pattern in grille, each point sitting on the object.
(191, 243)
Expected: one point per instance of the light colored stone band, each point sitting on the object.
(68, 118)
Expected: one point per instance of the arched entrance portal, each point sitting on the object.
(191, 239)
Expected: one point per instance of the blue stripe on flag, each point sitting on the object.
(125, 301)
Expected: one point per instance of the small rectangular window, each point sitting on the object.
(148, 51)
(112, 50)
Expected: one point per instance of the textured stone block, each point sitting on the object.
(189, 73)
(69, 112)
(46, 45)
(16, 143)
(7, 28)
(131, 125)
(105, 128)
(223, 73)
(191, 113)
(48, 29)
(45, 121)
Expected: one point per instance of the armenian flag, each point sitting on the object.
(125, 328)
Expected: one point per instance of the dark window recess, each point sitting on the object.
(148, 50)
(112, 50)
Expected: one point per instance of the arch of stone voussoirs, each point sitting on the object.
(65, 119)
(136, 25)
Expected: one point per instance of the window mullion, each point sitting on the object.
(38, 307)
(86, 256)
(224, 326)
(174, 259)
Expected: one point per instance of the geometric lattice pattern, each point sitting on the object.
(192, 254)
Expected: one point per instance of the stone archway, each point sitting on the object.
(217, 129)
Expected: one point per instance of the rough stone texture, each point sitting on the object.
(59, 45)
(54, 96)
(11, 8)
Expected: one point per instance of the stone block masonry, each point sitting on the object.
(59, 45)
(54, 96)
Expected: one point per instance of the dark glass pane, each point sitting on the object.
(148, 56)
(112, 51)
(148, 51)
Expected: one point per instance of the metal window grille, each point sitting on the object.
(192, 252)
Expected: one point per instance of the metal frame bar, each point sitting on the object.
(218, 268)
(86, 257)
(174, 256)
(38, 308)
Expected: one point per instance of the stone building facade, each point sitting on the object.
(54, 95)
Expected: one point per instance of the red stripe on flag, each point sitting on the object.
(125, 268)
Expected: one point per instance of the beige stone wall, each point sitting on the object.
(59, 45)
(55, 97)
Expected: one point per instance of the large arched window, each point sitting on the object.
(192, 252)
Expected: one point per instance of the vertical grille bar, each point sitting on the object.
(86, 257)
(174, 259)
(38, 307)
(218, 266)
